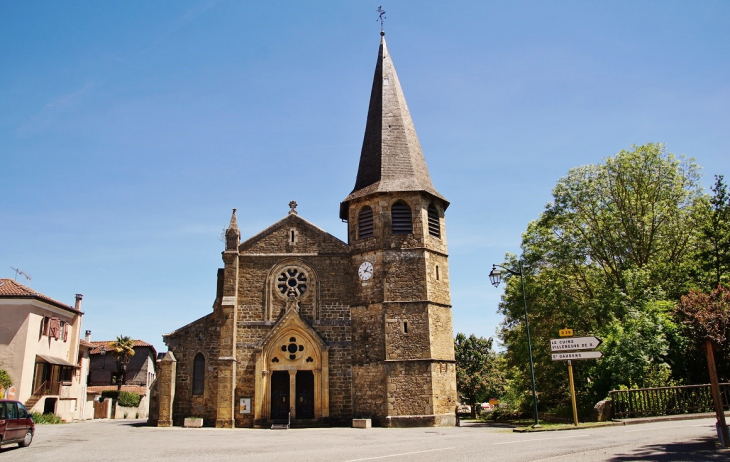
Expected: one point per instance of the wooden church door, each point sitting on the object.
(280, 395)
(305, 395)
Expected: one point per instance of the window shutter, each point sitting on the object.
(365, 223)
(401, 218)
(65, 331)
(434, 225)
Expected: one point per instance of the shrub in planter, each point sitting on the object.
(48, 418)
(194, 422)
(127, 399)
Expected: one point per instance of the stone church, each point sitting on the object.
(309, 328)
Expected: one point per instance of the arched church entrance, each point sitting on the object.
(292, 374)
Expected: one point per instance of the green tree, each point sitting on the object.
(609, 256)
(123, 347)
(715, 249)
(477, 375)
(5, 381)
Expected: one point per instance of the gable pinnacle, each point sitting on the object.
(233, 224)
(293, 208)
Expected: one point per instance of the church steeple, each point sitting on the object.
(391, 159)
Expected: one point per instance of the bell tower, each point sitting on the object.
(402, 335)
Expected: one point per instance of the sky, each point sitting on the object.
(129, 130)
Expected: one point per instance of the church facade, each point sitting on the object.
(320, 331)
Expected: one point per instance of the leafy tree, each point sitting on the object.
(477, 375)
(707, 315)
(607, 257)
(5, 381)
(715, 251)
(123, 347)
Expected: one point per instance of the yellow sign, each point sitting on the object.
(566, 332)
(493, 401)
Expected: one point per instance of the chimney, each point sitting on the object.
(78, 301)
(88, 336)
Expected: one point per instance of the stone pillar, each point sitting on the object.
(293, 393)
(227, 314)
(164, 391)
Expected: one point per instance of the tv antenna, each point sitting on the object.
(17, 272)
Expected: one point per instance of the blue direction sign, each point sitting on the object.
(574, 343)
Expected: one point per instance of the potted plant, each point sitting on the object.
(193, 422)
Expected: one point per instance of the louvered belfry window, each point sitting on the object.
(401, 218)
(434, 226)
(199, 374)
(365, 223)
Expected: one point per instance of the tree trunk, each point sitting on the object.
(716, 396)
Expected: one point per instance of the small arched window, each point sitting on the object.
(434, 225)
(199, 374)
(365, 223)
(401, 218)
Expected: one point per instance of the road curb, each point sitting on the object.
(601, 425)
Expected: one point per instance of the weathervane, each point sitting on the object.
(381, 16)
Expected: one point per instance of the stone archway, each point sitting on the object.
(292, 348)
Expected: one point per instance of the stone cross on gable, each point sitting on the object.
(293, 207)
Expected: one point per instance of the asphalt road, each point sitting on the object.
(131, 440)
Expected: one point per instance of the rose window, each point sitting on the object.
(292, 278)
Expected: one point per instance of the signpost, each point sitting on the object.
(574, 343)
(577, 355)
(566, 347)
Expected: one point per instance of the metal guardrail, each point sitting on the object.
(647, 402)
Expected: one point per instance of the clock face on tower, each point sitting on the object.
(365, 271)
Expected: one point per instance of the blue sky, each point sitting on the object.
(128, 130)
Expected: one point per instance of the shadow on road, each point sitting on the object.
(476, 423)
(135, 423)
(700, 449)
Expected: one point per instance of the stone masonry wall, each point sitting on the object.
(409, 388)
(201, 336)
(441, 332)
(406, 331)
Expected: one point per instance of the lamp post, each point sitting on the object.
(495, 277)
(103, 357)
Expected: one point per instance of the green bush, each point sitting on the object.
(111, 394)
(5, 380)
(128, 399)
(43, 419)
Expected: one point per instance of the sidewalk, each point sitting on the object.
(634, 421)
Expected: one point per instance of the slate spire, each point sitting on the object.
(391, 158)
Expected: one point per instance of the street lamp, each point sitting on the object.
(103, 354)
(495, 277)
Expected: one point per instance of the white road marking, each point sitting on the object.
(661, 428)
(538, 439)
(401, 454)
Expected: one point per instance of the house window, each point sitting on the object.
(365, 223)
(199, 374)
(401, 218)
(434, 226)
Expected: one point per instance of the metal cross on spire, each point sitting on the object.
(381, 16)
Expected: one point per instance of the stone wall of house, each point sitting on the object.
(101, 367)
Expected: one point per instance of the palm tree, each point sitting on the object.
(123, 346)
